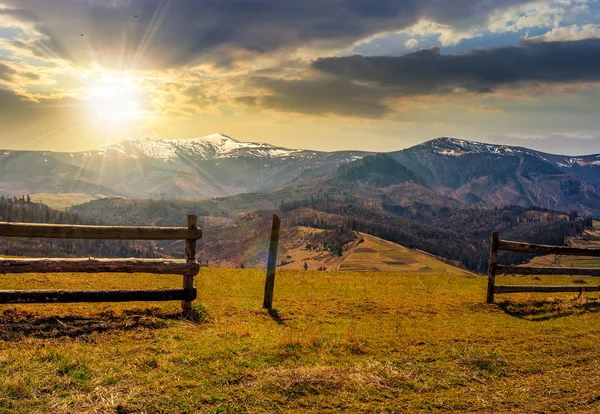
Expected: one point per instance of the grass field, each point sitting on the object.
(375, 254)
(339, 341)
(64, 200)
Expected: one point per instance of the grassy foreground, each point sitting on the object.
(355, 342)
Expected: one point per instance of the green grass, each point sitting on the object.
(345, 341)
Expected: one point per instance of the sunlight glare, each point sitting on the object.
(115, 101)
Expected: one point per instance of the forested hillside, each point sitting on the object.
(457, 234)
(13, 209)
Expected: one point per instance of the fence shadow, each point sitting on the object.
(544, 310)
(16, 324)
(276, 317)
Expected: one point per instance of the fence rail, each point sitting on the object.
(506, 245)
(187, 267)
(65, 231)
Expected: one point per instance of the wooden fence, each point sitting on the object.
(512, 246)
(187, 267)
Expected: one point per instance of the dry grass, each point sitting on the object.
(376, 254)
(64, 200)
(355, 342)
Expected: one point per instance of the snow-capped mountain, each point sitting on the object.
(211, 166)
(584, 164)
(457, 147)
(499, 175)
(467, 172)
(210, 147)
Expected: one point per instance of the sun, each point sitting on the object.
(115, 101)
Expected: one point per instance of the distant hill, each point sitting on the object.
(444, 197)
(22, 209)
(236, 229)
(589, 239)
(379, 170)
(448, 172)
(211, 166)
(499, 175)
(375, 254)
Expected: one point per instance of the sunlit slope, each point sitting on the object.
(63, 201)
(590, 239)
(375, 254)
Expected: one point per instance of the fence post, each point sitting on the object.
(492, 268)
(272, 263)
(190, 256)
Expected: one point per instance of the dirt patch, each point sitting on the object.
(14, 323)
(392, 262)
(544, 310)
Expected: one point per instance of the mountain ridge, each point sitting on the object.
(217, 165)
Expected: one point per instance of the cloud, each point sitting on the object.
(318, 97)
(429, 72)
(179, 32)
(19, 14)
(478, 108)
(411, 43)
(533, 14)
(6, 72)
(447, 35)
(567, 33)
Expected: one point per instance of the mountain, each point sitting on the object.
(499, 175)
(211, 166)
(379, 170)
(449, 172)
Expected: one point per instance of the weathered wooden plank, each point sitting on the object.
(62, 231)
(272, 263)
(70, 296)
(549, 271)
(545, 289)
(190, 257)
(492, 265)
(158, 266)
(513, 246)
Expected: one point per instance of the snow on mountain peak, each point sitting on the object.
(212, 146)
(458, 147)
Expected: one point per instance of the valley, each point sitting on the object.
(443, 197)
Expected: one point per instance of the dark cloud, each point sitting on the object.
(428, 72)
(19, 14)
(361, 86)
(6, 72)
(251, 101)
(318, 97)
(177, 32)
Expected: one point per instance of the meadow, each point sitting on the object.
(337, 341)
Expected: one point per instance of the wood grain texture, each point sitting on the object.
(548, 271)
(492, 265)
(272, 263)
(512, 246)
(62, 231)
(69, 296)
(156, 266)
(545, 289)
(190, 257)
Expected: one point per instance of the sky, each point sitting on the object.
(377, 75)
